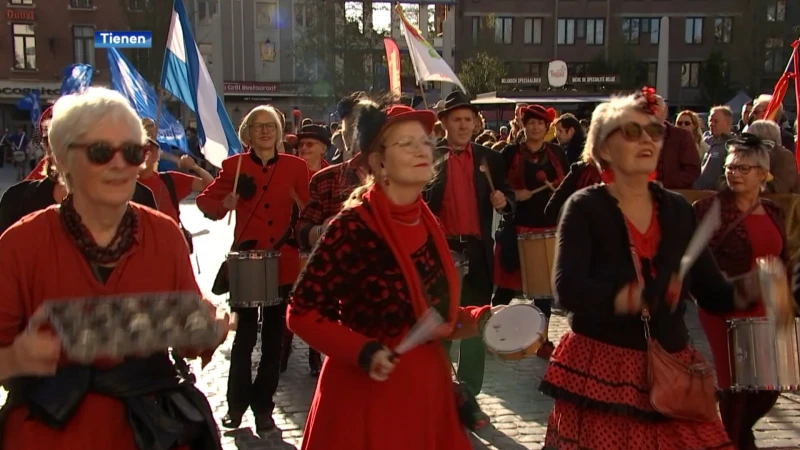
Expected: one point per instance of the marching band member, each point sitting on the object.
(103, 244)
(581, 174)
(331, 186)
(40, 171)
(382, 263)
(610, 236)
(751, 228)
(530, 166)
(460, 196)
(267, 185)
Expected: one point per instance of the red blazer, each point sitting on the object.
(679, 162)
(265, 217)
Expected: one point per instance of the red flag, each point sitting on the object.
(781, 86)
(795, 57)
(393, 65)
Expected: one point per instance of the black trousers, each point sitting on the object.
(257, 394)
(740, 411)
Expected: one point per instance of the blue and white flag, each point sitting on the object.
(185, 75)
(30, 102)
(126, 80)
(76, 78)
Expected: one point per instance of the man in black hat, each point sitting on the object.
(462, 197)
(312, 142)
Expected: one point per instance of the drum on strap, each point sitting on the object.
(253, 278)
(763, 357)
(536, 254)
(515, 332)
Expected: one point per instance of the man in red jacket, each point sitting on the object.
(679, 162)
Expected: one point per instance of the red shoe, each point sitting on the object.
(545, 350)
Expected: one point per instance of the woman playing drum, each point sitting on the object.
(380, 265)
(610, 236)
(758, 231)
(534, 169)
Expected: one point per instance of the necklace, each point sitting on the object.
(119, 245)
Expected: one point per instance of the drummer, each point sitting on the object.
(534, 168)
(758, 231)
(268, 183)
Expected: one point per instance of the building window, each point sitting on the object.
(83, 44)
(630, 31)
(533, 31)
(206, 10)
(723, 29)
(140, 57)
(24, 46)
(773, 56)
(20, 2)
(80, 3)
(651, 28)
(139, 5)
(503, 30)
(304, 15)
(476, 29)
(580, 29)
(566, 31)
(690, 75)
(595, 31)
(776, 11)
(694, 31)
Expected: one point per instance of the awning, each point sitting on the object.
(492, 98)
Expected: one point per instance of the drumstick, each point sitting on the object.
(542, 177)
(485, 169)
(236, 184)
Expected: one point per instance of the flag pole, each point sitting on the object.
(236, 184)
(424, 97)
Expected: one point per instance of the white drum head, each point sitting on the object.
(514, 328)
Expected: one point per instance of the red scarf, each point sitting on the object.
(380, 220)
(517, 170)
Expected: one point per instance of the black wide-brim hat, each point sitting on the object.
(457, 100)
(373, 121)
(317, 132)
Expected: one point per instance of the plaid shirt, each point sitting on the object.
(328, 190)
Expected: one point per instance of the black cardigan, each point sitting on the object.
(593, 262)
(27, 197)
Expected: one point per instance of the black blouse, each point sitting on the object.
(520, 164)
(30, 196)
(593, 262)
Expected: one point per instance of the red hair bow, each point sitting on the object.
(649, 100)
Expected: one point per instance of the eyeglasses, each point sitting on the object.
(409, 144)
(101, 153)
(684, 123)
(743, 169)
(632, 131)
(270, 126)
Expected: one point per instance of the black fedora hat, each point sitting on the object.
(317, 132)
(456, 100)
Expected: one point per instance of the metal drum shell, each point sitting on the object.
(253, 277)
(763, 357)
(537, 253)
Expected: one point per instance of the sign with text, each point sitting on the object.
(123, 39)
(557, 73)
(17, 89)
(521, 80)
(265, 88)
(21, 14)
(594, 79)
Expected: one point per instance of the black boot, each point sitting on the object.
(233, 419)
(286, 350)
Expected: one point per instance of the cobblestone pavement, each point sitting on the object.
(519, 412)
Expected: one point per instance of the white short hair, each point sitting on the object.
(766, 129)
(605, 119)
(764, 99)
(77, 114)
(272, 112)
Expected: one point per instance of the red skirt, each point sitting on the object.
(602, 402)
(512, 280)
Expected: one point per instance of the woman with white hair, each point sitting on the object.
(102, 244)
(782, 177)
(753, 228)
(269, 183)
(620, 244)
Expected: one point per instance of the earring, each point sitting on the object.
(607, 176)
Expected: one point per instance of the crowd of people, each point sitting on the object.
(366, 218)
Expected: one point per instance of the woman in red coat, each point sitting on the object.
(382, 262)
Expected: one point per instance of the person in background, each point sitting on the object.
(570, 136)
(499, 146)
(306, 121)
(679, 163)
(486, 139)
(745, 118)
(585, 125)
(759, 111)
(343, 139)
(690, 121)
(331, 150)
(480, 125)
(783, 176)
(720, 122)
(503, 133)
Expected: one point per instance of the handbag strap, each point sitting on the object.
(738, 220)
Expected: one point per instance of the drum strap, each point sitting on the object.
(738, 220)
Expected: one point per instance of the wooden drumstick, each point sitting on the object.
(485, 169)
(235, 184)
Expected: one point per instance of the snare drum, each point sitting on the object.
(253, 278)
(515, 332)
(763, 357)
(536, 254)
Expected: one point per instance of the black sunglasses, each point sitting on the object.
(632, 131)
(684, 123)
(102, 152)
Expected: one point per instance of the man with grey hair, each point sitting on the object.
(679, 162)
(782, 164)
(720, 122)
(759, 112)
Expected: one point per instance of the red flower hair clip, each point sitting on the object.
(649, 100)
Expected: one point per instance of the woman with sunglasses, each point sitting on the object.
(102, 245)
(619, 247)
(269, 184)
(690, 121)
(380, 265)
(752, 227)
(43, 186)
(533, 166)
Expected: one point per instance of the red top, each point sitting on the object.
(38, 172)
(266, 216)
(459, 212)
(183, 187)
(765, 240)
(323, 165)
(157, 262)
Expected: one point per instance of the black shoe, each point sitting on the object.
(286, 351)
(232, 420)
(314, 362)
(264, 423)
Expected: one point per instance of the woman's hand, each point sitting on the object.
(629, 299)
(35, 353)
(381, 365)
(229, 203)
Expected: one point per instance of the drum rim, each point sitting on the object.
(539, 333)
(542, 234)
(245, 254)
